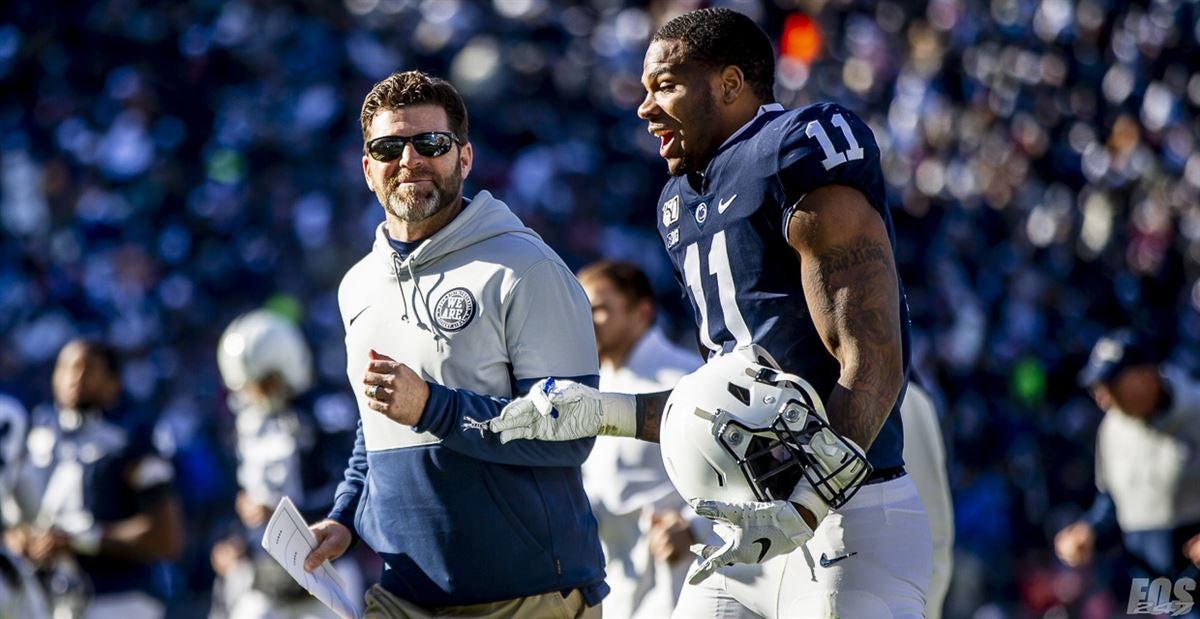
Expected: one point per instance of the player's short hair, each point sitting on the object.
(415, 88)
(719, 38)
(102, 351)
(626, 277)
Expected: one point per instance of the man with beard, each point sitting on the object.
(776, 222)
(457, 308)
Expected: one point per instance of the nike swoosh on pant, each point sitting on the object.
(826, 561)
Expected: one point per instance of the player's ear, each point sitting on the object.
(733, 82)
(466, 158)
(645, 312)
(366, 171)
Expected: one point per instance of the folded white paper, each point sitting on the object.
(288, 540)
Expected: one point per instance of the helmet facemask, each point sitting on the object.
(775, 457)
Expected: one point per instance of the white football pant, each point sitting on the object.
(878, 557)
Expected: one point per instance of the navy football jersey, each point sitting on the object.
(727, 240)
(97, 471)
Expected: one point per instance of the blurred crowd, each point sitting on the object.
(168, 166)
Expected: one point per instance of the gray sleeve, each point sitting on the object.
(548, 324)
(1185, 400)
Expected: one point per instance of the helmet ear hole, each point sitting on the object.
(720, 476)
(741, 393)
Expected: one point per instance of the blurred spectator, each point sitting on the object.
(1147, 467)
(96, 505)
(282, 451)
(645, 525)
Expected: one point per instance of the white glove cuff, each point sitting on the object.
(618, 415)
(806, 496)
(87, 542)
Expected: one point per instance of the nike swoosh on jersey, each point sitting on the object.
(724, 204)
(826, 561)
(360, 313)
(766, 547)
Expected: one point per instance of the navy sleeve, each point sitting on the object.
(349, 492)
(1103, 518)
(322, 462)
(827, 144)
(459, 417)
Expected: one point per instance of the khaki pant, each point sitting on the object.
(381, 604)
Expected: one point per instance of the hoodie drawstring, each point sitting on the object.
(438, 335)
(396, 270)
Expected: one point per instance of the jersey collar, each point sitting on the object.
(762, 109)
(695, 180)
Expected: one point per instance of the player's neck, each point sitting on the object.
(728, 124)
(617, 355)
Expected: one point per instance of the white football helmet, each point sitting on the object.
(739, 429)
(261, 343)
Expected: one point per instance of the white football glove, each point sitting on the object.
(753, 532)
(565, 410)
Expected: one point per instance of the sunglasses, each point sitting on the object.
(431, 144)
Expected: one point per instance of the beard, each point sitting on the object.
(689, 161)
(416, 203)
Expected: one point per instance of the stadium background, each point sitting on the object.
(166, 166)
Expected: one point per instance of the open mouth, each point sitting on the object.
(667, 142)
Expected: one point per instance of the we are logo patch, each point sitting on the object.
(454, 311)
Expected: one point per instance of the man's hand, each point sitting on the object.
(44, 546)
(332, 541)
(565, 411)
(1191, 550)
(395, 390)
(1076, 544)
(251, 512)
(753, 532)
(225, 554)
(670, 536)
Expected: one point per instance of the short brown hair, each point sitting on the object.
(626, 277)
(415, 88)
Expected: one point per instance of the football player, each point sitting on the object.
(96, 506)
(283, 449)
(777, 225)
(20, 593)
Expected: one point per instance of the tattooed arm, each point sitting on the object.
(649, 411)
(849, 280)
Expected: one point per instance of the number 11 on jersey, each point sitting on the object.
(718, 265)
(833, 158)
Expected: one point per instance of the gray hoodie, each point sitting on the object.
(480, 310)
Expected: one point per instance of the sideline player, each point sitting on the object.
(776, 221)
(97, 507)
(282, 450)
(925, 461)
(644, 524)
